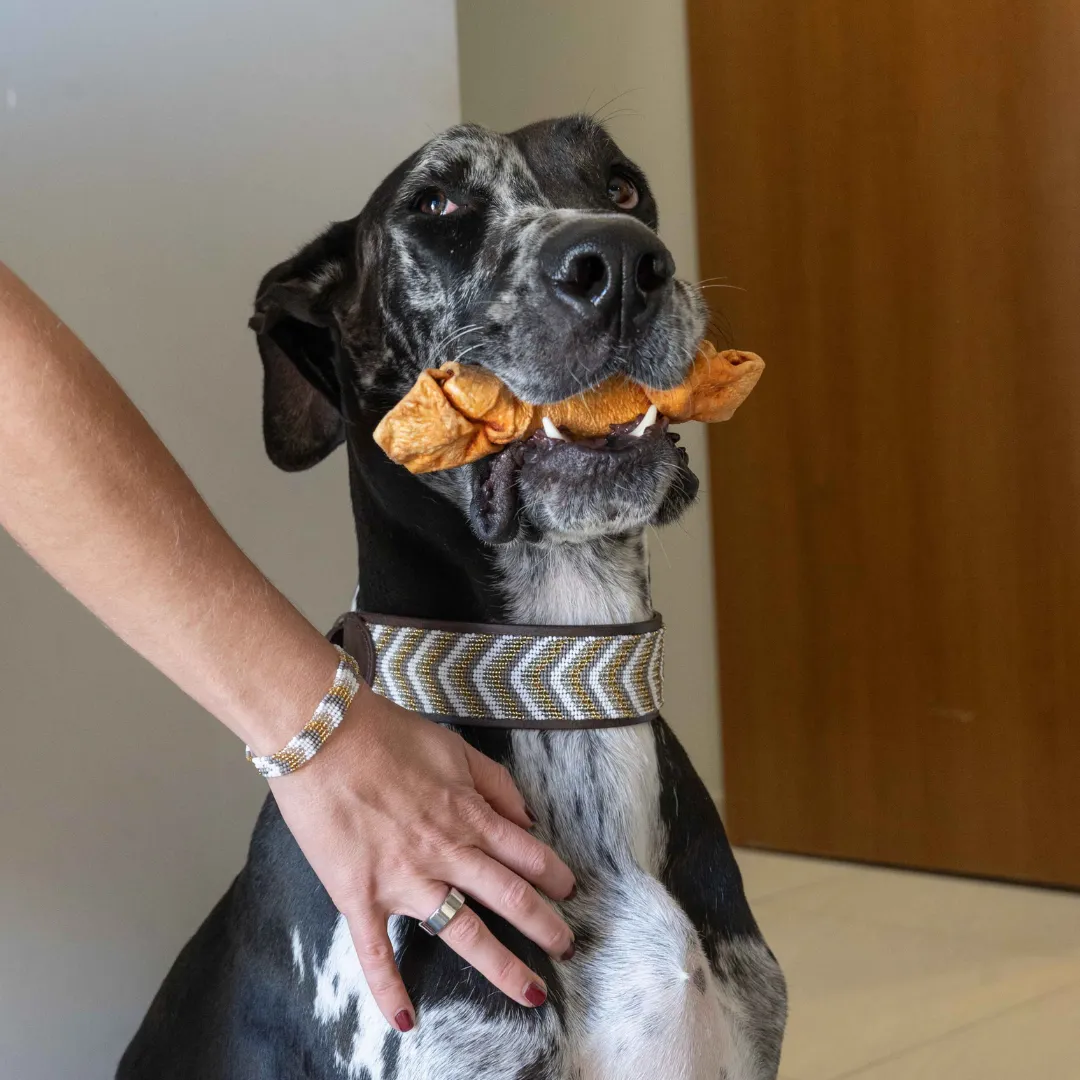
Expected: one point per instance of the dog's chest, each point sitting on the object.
(596, 794)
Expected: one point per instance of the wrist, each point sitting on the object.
(280, 702)
(325, 720)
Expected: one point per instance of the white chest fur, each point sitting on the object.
(644, 1002)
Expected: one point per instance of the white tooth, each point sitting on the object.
(646, 423)
(552, 432)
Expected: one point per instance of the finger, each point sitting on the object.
(467, 935)
(526, 856)
(497, 786)
(512, 897)
(376, 956)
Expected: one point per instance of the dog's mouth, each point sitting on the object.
(554, 482)
(634, 438)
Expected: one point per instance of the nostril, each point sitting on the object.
(653, 272)
(585, 276)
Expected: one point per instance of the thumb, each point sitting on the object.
(497, 786)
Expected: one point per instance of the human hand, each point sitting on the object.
(393, 811)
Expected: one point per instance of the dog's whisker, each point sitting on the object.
(611, 101)
(616, 113)
(462, 330)
(465, 352)
(454, 335)
(655, 532)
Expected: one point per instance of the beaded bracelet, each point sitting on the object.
(329, 713)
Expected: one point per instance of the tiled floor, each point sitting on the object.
(901, 976)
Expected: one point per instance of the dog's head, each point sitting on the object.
(534, 254)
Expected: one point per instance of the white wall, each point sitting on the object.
(155, 159)
(526, 59)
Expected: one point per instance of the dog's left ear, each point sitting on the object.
(297, 333)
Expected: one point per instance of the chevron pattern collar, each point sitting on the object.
(540, 677)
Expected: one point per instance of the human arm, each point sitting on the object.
(394, 808)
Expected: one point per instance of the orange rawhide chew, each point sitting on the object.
(461, 412)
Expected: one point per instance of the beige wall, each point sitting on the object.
(522, 60)
(155, 159)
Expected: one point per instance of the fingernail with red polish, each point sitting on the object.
(535, 994)
(569, 954)
(531, 816)
(404, 1020)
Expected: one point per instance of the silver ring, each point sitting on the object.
(440, 918)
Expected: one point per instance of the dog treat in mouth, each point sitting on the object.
(462, 412)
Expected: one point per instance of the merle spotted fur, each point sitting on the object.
(505, 250)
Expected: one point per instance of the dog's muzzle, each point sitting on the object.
(506, 676)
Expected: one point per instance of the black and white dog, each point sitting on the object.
(535, 254)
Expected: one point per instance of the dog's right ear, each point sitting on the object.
(298, 333)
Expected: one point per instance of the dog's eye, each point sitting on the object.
(622, 193)
(434, 202)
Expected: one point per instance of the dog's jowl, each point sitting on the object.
(535, 254)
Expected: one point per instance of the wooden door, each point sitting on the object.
(896, 186)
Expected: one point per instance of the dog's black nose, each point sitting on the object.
(611, 270)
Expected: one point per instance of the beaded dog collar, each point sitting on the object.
(540, 677)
